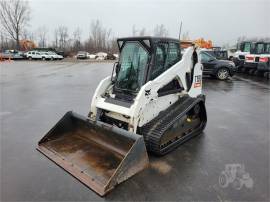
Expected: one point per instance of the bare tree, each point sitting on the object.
(96, 32)
(3, 41)
(56, 39)
(113, 46)
(6, 42)
(241, 38)
(61, 36)
(42, 36)
(77, 39)
(77, 34)
(28, 35)
(107, 39)
(160, 31)
(254, 39)
(142, 32)
(134, 31)
(138, 32)
(99, 37)
(226, 45)
(185, 36)
(14, 16)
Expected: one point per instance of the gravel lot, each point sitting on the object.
(35, 95)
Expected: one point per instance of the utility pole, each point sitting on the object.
(180, 30)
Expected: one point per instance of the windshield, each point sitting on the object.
(132, 63)
(210, 53)
(246, 47)
(206, 57)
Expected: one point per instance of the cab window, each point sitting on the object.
(166, 55)
(267, 49)
(260, 48)
(247, 47)
(173, 55)
(160, 59)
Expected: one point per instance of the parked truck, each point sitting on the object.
(243, 48)
(259, 54)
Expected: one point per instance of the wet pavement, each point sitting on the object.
(230, 161)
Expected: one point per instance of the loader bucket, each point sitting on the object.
(99, 155)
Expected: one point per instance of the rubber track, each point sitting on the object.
(154, 130)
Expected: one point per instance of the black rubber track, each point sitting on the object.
(155, 129)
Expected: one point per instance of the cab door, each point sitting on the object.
(166, 55)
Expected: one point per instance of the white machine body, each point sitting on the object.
(147, 103)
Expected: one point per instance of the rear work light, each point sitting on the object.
(264, 59)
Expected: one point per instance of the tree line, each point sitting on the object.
(15, 19)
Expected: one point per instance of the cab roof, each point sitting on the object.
(146, 41)
(150, 38)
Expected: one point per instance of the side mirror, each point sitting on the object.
(116, 69)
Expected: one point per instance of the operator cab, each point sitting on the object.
(143, 59)
(246, 46)
(259, 49)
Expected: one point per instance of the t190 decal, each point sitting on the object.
(198, 81)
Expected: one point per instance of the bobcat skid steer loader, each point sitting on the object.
(152, 102)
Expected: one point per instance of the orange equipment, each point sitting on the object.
(26, 45)
(203, 43)
(198, 42)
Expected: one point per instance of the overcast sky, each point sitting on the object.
(222, 21)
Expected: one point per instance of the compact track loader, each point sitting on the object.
(151, 102)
